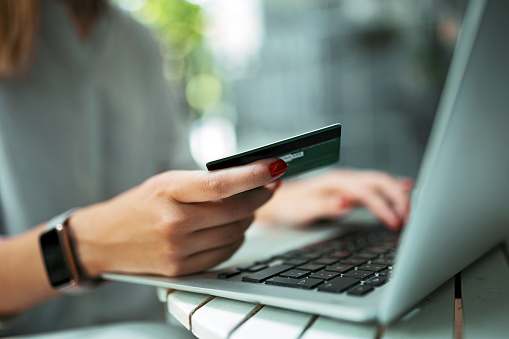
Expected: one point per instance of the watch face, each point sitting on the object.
(54, 259)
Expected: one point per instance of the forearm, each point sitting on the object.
(23, 281)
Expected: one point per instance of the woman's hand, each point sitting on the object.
(337, 193)
(175, 223)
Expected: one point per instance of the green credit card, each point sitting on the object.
(302, 153)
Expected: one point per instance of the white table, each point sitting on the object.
(479, 310)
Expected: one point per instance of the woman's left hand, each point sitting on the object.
(337, 193)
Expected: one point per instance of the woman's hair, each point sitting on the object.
(19, 21)
(19, 30)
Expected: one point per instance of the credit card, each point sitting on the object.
(302, 153)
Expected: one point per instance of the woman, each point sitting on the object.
(87, 120)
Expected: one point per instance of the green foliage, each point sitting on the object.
(180, 28)
(178, 23)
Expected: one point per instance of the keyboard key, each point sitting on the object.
(353, 248)
(295, 262)
(340, 255)
(286, 256)
(354, 261)
(306, 283)
(379, 250)
(337, 285)
(326, 261)
(311, 267)
(293, 274)
(311, 256)
(263, 261)
(326, 248)
(326, 275)
(252, 268)
(227, 274)
(244, 268)
(339, 268)
(376, 281)
(358, 274)
(372, 267)
(256, 268)
(360, 290)
(366, 255)
(383, 261)
(262, 275)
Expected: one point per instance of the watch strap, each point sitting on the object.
(79, 282)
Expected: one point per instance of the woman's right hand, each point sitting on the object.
(177, 222)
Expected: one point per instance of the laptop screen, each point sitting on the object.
(459, 210)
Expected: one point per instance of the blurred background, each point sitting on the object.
(251, 72)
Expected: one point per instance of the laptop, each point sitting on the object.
(459, 206)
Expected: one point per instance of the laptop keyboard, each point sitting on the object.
(355, 264)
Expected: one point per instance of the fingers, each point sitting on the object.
(200, 186)
(327, 207)
(215, 237)
(408, 184)
(207, 259)
(202, 249)
(380, 207)
(385, 196)
(395, 193)
(225, 211)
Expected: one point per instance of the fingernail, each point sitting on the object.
(408, 183)
(345, 202)
(277, 168)
(396, 222)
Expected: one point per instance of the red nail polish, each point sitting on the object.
(408, 183)
(394, 222)
(277, 167)
(346, 201)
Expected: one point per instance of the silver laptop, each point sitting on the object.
(459, 206)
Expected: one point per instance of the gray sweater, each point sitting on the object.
(90, 119)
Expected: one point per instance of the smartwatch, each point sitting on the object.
(62, 268)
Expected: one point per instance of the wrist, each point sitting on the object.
(63, 269)
(88, 253)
